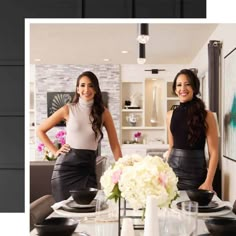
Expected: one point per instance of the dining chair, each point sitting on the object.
(40, 209)
(234, 207)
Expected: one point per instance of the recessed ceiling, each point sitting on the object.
(86, 43)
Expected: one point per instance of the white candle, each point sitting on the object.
(151, 224)
(127, 227)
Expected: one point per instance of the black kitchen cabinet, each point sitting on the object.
(12, 164)
(11, 90)
(12, 139)
(170, 9)
(157, 8)
(144, 9)
(108, 9)
(14, 12)
(194, 9)
(12, 191)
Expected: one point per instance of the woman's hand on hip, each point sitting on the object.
(64, 149)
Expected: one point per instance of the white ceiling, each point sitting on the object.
(86, 43)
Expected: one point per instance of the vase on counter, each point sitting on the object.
(136, 140)
(132, 119)
(153, 119)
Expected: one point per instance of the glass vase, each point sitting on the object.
(153, 119)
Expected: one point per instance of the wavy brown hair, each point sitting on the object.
(98, 105)
(196, 116)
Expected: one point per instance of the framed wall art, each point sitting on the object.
(229, 106)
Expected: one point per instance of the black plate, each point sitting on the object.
(73, 204)
(212, 204)
(209, 208)
(74, 207)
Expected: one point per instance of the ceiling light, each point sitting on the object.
(37, 59)
(143, 34)
(106, 59)
(155, 71)
(124, 51)
(142, 58)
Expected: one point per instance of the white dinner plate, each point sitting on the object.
(79, 214)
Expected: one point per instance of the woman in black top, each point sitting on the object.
(189, 126)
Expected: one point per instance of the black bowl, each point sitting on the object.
(203, 197)
(84, 196)
(56, 226)
(221, 226)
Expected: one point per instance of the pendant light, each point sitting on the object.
(142, 58)
(143, 33)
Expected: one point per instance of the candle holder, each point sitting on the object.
(126, 212)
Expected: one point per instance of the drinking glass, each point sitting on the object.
(170, 222)
(189, 210)
(106, 210)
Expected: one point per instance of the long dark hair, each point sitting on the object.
(98, 105)
(196, 116)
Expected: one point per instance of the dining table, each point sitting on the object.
(105, 224)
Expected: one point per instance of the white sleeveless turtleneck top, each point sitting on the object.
(79, 128)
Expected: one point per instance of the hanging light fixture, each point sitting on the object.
(143, 34)
(142, 57)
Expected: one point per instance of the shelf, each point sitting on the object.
(132, 110)
(150, 110)
(143, 128)
(148, 146)
(173, 98)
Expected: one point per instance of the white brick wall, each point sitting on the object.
(62, 78)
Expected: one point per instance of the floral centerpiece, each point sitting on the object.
(134, 178)
(58, 142)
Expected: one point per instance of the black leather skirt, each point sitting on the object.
(189, 166)
(73, 170)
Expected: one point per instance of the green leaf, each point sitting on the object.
(115, 194)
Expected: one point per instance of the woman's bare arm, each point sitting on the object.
(50, 122)
(170, 137)
(212, 142)
(112, 135)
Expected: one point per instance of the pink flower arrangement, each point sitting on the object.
(60, 136)
(60, 140)
(137, 135)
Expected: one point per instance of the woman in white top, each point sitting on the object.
(85, 117)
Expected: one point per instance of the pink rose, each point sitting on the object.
(40, 147)
(162, 179)
(116, 176)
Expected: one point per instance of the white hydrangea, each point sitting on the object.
(137, 177)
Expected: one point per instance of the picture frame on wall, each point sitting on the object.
(56, 100)
(229, 106)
